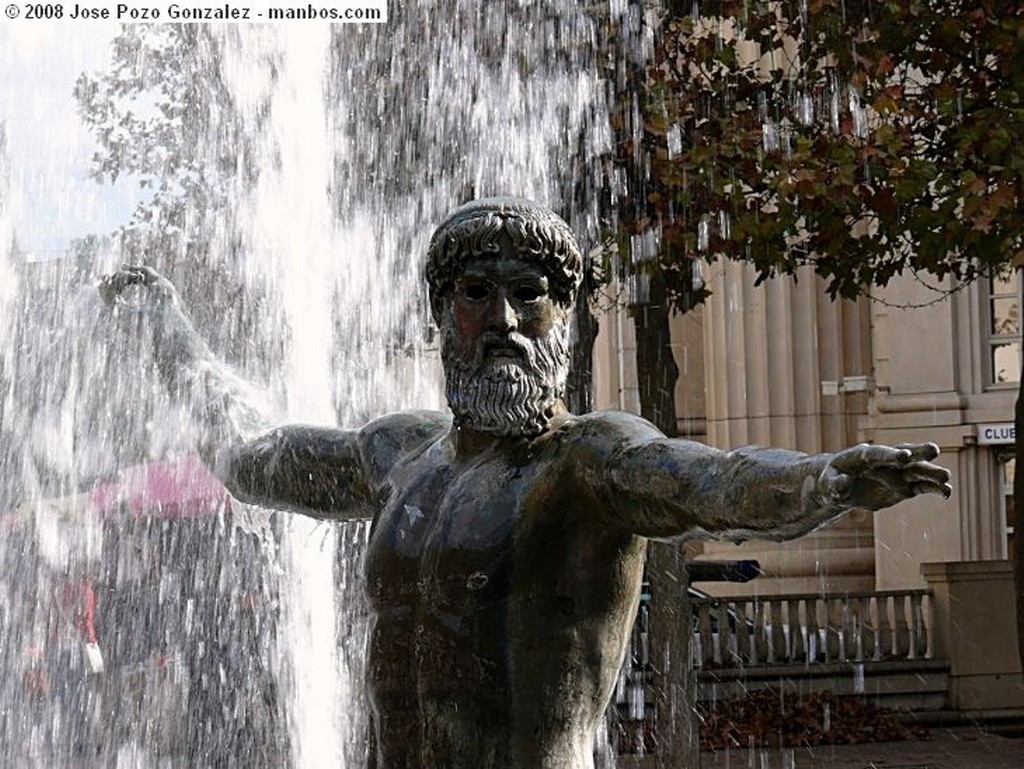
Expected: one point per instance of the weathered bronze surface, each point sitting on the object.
(508, 542)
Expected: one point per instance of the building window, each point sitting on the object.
(1004, 333)
(1007, 515)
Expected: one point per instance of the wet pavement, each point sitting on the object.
(960, 748)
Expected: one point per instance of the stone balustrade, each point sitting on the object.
(811, 629)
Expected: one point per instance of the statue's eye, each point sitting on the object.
(528, 293)
(476, 291)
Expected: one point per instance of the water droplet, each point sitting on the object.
(858, 114)
(703, 233)
(674, 139)
(770, 135)
(805, 108)
(724, 225)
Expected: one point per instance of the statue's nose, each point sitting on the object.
(503, 314)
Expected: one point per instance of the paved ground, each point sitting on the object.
(947, 749)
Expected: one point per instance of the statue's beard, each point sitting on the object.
(506, 395)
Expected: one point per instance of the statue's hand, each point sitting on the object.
(874, 477)
(143, 294)
(138, 288)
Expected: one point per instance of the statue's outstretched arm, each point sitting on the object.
(325, 472)
(315, 471)
(228, 408)
(662, 487)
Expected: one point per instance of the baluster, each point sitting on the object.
(758, 650)
(851, 628)
(727, 632)
(797, 643)
(834, 647)
(872, 642)
(857, 629)
(886, 642)
(707, 642)
(814, 651)
(777, 639)
(901, 628)
(785, 629)
(928, 609)
(744, 639)
(918, 638)
(846, 626)
(720, 610)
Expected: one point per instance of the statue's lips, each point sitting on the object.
(503, 352)
(501, 346)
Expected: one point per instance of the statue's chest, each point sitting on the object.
(444, 534)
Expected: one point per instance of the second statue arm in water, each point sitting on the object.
(322, 472)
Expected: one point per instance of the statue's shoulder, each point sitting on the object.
(416, 419)
(392, 437)
(611, 428)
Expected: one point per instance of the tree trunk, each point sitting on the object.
(580, 385)
(656, 368)
(673, 683)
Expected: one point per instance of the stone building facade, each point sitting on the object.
(783, 365)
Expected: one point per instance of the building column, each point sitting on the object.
(788, 367)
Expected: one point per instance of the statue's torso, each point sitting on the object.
(502, 599)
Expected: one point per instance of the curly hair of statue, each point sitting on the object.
(474, 231)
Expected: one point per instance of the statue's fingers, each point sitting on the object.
(919, 452)
(932, 487)
(926, 472)
(864, 456)
(113, 284)
(839, 486)
(128, 275)
(151, 274)
(917, 478)
(156, 281)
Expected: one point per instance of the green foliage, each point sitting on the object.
(863, 138)
(163, 114)
(166, 113)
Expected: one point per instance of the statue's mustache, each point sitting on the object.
(510, 344)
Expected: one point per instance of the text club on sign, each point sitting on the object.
(999, 433)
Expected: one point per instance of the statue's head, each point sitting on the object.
(503, 275)
(475, 231)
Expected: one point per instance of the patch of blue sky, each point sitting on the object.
(53, 200)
